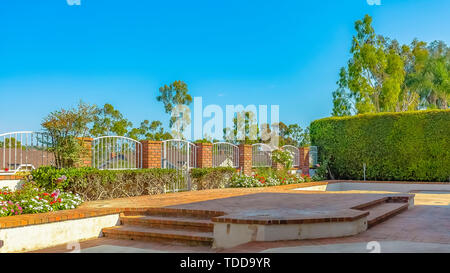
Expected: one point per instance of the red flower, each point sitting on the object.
(6, 169)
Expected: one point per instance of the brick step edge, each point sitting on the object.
(168, 224)
(163, 234)
(173, 212)
(387, 215)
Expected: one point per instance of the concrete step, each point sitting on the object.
(383, 212)
(169, 222)
(160, 235)
(175, 212)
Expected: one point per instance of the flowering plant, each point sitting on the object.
(265, 179)
(30, 199)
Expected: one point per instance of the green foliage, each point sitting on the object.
(94, 184)
(408, 146)
(150, 131)
(65, 128)
(176, 98)
(109, 121)
(384, 76)
(283, 157)
(211, 178)
(293, 135)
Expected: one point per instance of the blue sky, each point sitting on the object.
(229, 52)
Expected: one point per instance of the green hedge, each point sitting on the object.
(211, 178)
(408, 146)
(94, 184)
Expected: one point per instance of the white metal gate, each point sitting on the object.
(116, 153)
(24, 150)
(179, 155)
(295, 153)
(225, 154)
(261, 155)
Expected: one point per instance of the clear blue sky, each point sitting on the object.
(227, 51)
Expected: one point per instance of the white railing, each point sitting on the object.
(116, 153)
(295, 154)
(24, 151)
(261, 155)
(180, 155)
(225, 154)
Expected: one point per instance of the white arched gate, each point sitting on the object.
(116, 153)
(225, 154)
(180, 155)
(261, 155)
(295, 153)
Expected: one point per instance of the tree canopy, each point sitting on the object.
(384, 76)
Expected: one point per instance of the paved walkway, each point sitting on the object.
(424, 228)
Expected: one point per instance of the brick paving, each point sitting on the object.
(428, 221)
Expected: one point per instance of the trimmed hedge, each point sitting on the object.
(407, 146)
(93, 184)
(211, 178)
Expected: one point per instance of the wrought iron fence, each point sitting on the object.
(225, 154)
(116, 153)
(261, 155)
(179, 155)
(295, 153)
(24, 151)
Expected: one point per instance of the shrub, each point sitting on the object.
(266, 177)
(408, 146)
(283, 157)
(94, 184)
(211, 178)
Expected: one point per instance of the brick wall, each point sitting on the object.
(204, 155)
(151, 154)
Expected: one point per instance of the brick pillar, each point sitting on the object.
(304, 160)
(204, 155)
(86, 157)
(151, 154)
(245, 159)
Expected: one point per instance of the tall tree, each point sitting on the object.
(174, 97)
(383, 76)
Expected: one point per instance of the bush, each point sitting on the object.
(94, 184)
(408, 146)
(211, 178)
(283, 157)
(31, 199)
(266, 177)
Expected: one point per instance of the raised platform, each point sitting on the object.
(236, 220)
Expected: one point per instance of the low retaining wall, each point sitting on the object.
(230, 235)
(36, 231)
